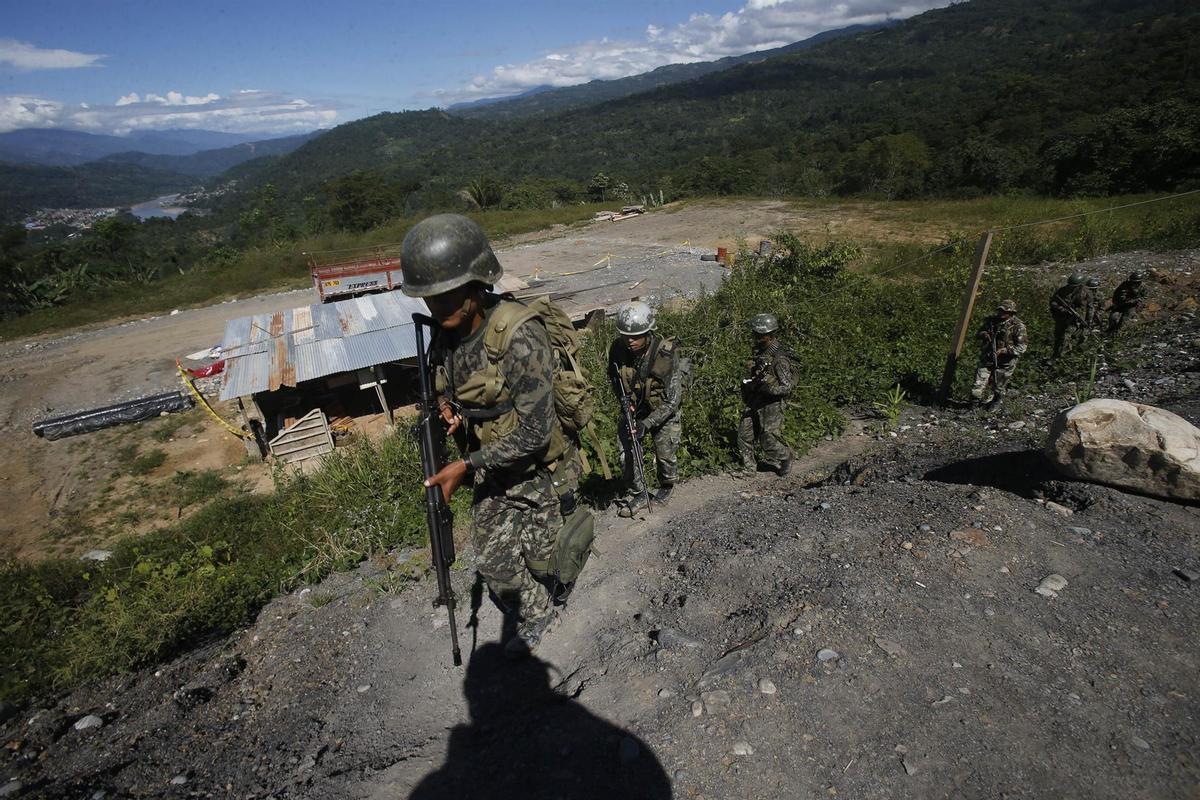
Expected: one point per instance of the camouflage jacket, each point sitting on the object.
(770, 375)
(1008, 336)
(1070, 302)
(528, 370)
(653, 379)
(1129, 295)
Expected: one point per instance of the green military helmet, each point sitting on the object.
(1093, 283)
(1137, 276)
(1007, 305)
(635, 318)
(444, 252)
(1076, 280)
(763, 324)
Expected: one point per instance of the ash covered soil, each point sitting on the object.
(866, 628)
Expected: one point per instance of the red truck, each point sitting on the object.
(339, 276)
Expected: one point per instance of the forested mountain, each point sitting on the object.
(63, 148)
(212, 162)
(546, 99)
(1066, 96)
(26, 188)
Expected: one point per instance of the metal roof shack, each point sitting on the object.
(268, 351)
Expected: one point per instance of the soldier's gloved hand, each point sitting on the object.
(639, 429)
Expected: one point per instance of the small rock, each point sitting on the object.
(1059, 509)
(90, 721)
(826, 654)
(1051, 585)
(96, 555)
(743, 749)
(666, 694)
(1139, 742)
(976, 537)
(766, 686)
(907, 545)
(363, 689)
(901, 749)
(174, 312)
(924, 528)
(179, 780)
(1128, 384)
(888, 646)
(825, 506)
(717, 701)
(909, 767)
(11, 789)
(1016, 426)
(943, 701)
(1189, 575)
(672, 639)
(630, 750)
(697, 708)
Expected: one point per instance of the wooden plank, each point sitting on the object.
(964, 318)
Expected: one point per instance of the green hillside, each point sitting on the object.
(27, 188)
(1063, 97)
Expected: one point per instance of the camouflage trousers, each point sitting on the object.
(1118, 317)
(666, 446)
(1066, 331)
(984, 377)
(510, 524)
(763, 424)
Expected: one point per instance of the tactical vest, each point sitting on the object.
(647, 381)
(484, 399)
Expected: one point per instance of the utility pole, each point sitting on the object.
(964, 317)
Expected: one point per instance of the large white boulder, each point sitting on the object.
(1130, 445)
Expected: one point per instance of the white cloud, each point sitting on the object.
(758, 25)
(23, 55)
(247, 111)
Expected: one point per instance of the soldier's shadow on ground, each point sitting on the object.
(1022, 472)
(526, 741)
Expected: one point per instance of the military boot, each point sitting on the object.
(636, 505)
(784, 467)
(529, 635)
(663, 493)
(994, 403)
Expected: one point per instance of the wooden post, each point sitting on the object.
(964, 317)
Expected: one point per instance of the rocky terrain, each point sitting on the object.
(929, 614)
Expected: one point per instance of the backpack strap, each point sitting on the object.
(506, 318)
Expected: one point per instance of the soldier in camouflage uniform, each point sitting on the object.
(648, 369)
(765, 393)
(1004, 340)
(1126, 299)
(1068, 306)
(509, 441)
(1095, 303)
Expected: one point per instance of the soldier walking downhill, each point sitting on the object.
(765, 394)
(1126, 300)
(1068, 307)
(1004, 340)
(499, 403)
(648, 369)
(1095, 306)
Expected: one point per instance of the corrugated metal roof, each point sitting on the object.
(267, 351)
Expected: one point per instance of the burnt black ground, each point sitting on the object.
(953, 679)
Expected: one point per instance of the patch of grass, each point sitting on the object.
(146, 463)
(170, 426)
(189, 488)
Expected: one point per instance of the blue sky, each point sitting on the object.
(278, 67)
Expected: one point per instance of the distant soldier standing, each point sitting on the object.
(1095, 300)
(1126, 299)
(765, 393)
(499, 401)
(648, 369)
(1004, 340)
(1068, 305)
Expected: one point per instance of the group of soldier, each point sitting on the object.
(498, 367)
(1077, 308)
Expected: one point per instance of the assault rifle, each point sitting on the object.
(437, 512)
(635, 443)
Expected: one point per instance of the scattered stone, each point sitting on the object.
(946, 699)
(1016, 426)
(672, 639)
(363, 689)
(11, 789)
(909, 767)
(665, 693)
(630, 750)
(1128, 445)
(1128, 384)
(976, 537)
(96, 555)
(766, 686)
(697, 708)
(1051, 585)
(888, 646)
(1139, 742)
(924, 528)
(1080, 531)
(825, 506)
(717, 701)
(88, 722)
(743, 749)
(907, 545)
(1188, 575)
(179, 780)
(901, 749)
(1059, 509)
(826, 654)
